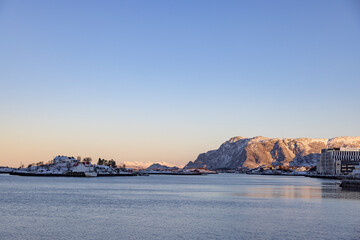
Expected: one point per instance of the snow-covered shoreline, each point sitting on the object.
(63, 166)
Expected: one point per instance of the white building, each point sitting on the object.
(64, 159)
(83, 167)
(338, 161)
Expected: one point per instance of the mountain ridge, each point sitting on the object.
(262, 151)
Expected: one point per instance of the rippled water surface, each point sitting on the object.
(223, 206)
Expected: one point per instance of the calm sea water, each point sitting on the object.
(223, 206)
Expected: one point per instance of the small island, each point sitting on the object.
(64, 166)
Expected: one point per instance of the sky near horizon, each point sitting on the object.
(163, 81)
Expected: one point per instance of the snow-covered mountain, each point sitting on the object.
(258, 151)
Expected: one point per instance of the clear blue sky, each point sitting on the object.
(167, 80)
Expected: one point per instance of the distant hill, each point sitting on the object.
(143, 165)
(157, 166)
(258, 151)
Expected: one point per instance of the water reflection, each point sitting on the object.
(333, 190)
(285, 192)
(325, 190)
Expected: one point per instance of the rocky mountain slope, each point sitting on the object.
(258, 151)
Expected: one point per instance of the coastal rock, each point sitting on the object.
(262, 151)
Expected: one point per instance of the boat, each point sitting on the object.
(350, 184)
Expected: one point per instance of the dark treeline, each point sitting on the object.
(110, 163)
